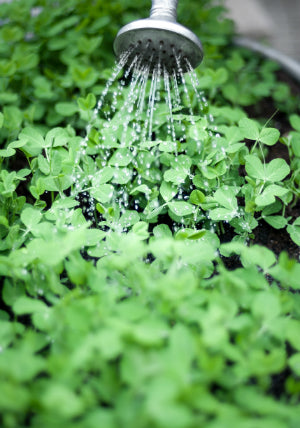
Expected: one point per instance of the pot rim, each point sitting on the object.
(290, 65)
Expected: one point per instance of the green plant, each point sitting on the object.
(127, 340)
(196, 182)
(120, 303)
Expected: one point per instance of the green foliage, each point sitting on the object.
(128, 315)
(198, 183)
(129, 340)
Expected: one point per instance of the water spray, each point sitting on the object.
(159, 40)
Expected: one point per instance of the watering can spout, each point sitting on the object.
(160, 41)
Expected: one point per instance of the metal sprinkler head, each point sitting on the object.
(159, 41)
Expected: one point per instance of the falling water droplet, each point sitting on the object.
(130, 114)
(169, 104)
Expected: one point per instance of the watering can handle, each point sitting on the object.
(164, 9)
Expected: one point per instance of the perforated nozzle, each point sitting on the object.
(159, 40)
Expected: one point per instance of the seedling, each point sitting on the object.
(120, 306)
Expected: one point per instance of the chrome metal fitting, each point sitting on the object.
(159, 41)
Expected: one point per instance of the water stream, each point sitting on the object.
(138, 111)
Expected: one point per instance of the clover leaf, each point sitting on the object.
(226, 197)
(267, 197)
(294, 231)
(274, 171)
(251, 130)
(34, 141)
(168, 191)
(180, 208)
(31, 217)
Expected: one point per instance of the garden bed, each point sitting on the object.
(177, 306)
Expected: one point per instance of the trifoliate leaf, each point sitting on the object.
(162, 231)
(175, 176)
(168, 146)
(168, 191)
(102, 176)
(226, 196)
(181, 208)
(129, 218)
(121, 157)
(31, 217)
(249, 129)
(225, 214)
(143, 188)
(44, 164)
(269, 136)
(141, 230)
(276, 170)
(34, 141)
(121, 175)
(103, 193)
(197, 197)
(269, 194)
(87, 103)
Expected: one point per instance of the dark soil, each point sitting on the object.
(264, 234)
(277, 240)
